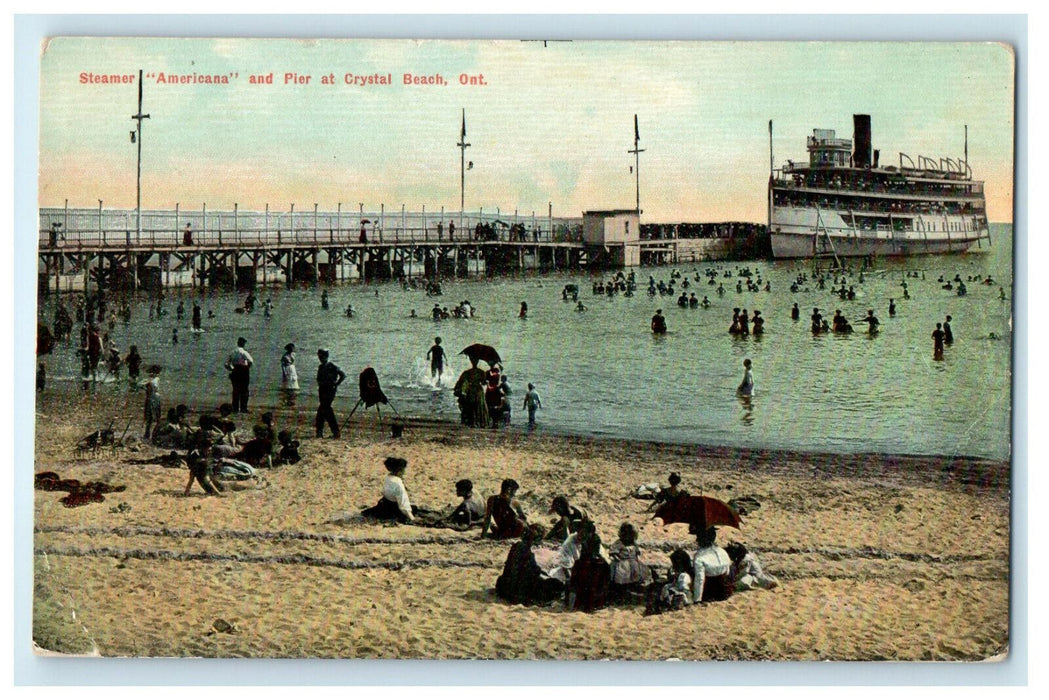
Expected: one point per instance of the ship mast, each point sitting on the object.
(966, 148)
(771, 174)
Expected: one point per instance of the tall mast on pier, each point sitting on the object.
(463, 145)
(637, 167)
(138, 117)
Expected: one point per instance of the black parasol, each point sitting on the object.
(485, 353)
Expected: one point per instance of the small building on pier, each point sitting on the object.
(614, 237)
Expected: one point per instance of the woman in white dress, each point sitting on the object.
(289, 376)
(746, 387)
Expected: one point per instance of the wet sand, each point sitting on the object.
(879, 556)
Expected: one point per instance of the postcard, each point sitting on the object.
(564, 350)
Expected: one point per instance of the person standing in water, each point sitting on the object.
(152, 407)
(324, 300)
(239, 365)
(948, 336)
(937, 342)
(289, 375)
(659, 323)
(872, 322)
(532, 403)
(196, 316)
(746, 387)
(524, 310)
(436, 357)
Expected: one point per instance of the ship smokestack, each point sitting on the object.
(861, 134)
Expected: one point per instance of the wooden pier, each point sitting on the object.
(244, 260)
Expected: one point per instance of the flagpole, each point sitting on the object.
(138, 174)
(637, 167)
(463, 145)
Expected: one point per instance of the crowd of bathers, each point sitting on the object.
(583, 573)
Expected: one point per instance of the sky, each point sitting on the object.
(551, 124)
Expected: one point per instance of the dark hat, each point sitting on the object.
(242, 341)
(559, 503)
(289, 347)
(395, 465)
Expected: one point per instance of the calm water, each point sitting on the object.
(601, 372)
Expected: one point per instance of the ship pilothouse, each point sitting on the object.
(844, 203)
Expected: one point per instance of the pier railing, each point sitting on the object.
(79, 228)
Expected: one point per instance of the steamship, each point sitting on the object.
(842, 203)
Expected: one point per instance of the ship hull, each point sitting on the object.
(808, 245)
(803, 232)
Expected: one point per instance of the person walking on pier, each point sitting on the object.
(187, 235)
(329, 377)
(239, 365)
(440, 229)
(451, 230)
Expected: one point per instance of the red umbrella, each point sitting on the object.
(482, 352)
(701, 511)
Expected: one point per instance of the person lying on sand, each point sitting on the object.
(503, 515)
(522, 580)
(171, 459)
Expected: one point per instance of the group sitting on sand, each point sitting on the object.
(587, 576)
(214, 452)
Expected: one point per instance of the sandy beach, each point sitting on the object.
(879, 557)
